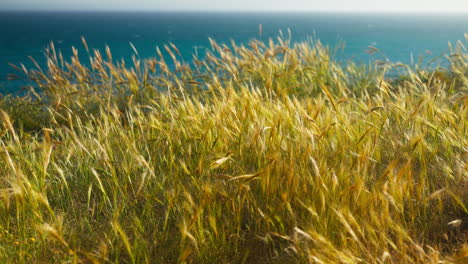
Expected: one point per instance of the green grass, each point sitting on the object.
(270, 153)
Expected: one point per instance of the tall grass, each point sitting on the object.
(266, 153)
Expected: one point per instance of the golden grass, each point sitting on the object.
(270, 153)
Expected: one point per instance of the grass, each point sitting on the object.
(266, 153)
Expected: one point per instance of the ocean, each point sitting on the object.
(400, 37)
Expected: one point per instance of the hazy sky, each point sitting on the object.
(244, 5)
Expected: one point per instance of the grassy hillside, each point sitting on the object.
(269, 153)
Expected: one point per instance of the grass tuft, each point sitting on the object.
(267, 153)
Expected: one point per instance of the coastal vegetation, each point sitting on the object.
(263, 153)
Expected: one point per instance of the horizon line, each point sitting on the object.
(324, 11)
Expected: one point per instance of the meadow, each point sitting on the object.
(263, 153)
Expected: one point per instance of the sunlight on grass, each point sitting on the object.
(266, 153)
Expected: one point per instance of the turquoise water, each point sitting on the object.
(399, 36)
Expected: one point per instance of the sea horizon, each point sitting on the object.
(361, 12)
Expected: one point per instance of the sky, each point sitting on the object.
(242, 5)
